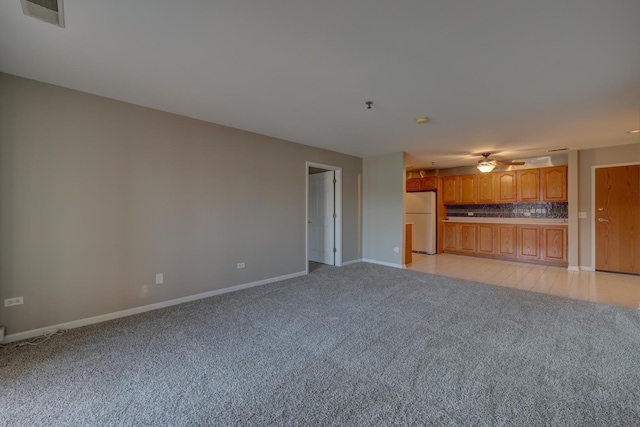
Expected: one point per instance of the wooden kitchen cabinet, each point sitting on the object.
(486, 239)
(554, 243)
(529, 241)
(553, 184)
(528, 183)
(538, 244)
(428, 183)
(450, 189)
(468, 237)
(486, 187)
(451, 241)
(506, 188)
(413, 184)
(422, 184)
(506, 240)
(408, 243)
(467, 193)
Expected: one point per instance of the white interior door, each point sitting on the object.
(321, 217)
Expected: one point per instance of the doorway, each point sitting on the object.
(323, 214)
(617, 218)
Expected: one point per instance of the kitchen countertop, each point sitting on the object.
(524, 221)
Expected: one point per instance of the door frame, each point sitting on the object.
(593, 205)
(337, 224)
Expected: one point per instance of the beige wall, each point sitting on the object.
(587, 159)
(97, 196)
(383, 208)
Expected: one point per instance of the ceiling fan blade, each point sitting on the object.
(501, 163)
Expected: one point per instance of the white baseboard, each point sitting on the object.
(129, 312)
(586, 268)
(388, 264)
(355, 261)
(573, 268)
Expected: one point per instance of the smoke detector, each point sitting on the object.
(51, 11)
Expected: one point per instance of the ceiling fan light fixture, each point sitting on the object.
(634, 131)
(485, 166)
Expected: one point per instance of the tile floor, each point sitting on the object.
(607, 288)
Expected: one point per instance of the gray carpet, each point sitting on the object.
(358, 345)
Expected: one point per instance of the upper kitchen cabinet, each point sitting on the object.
(450, 189)
(429, 183)
(554, 184)
(467, 185)
(486, 188)
(413, 184)
(528, 182)
(425, 183)
(506, 189)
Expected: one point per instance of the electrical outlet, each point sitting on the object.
(13, 301)
(582, 214)
(470, 213)
(159, 279)
(240, 265)
(396, 250)
(526, 213)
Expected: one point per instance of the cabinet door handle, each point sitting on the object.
(603, 220)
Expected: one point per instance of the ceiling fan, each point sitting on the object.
(487, 165)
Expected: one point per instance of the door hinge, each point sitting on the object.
(334, 180)
(334, 215)
(334, 250)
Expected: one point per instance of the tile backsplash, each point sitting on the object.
(511, 210)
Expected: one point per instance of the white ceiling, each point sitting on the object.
(513, 77)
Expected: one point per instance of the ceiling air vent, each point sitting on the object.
(46, 10)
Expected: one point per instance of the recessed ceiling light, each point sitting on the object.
(422, 120)
(634, 131)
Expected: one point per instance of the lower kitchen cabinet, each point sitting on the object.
(554, 243)
(529, 241)
(451, 242)
(468, 237)
(506, 240)
(540, 244)
(487, 239)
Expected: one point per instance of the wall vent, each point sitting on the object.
(50, 11)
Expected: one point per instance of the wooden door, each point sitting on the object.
(528, 185)
(450, 189)
(554, 184)
(467, 189)
(505, 186)
(486, 188)
(617, 219)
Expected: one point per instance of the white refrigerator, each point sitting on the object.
(420, 209)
